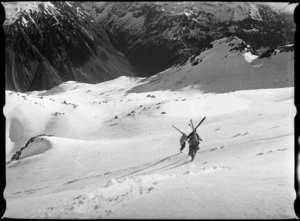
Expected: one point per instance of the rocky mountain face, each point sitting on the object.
(49, 43)
(157, 35)
(271, 52)
(289, 25)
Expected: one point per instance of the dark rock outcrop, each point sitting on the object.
(18, 153)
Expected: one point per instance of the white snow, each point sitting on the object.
(79, 11)
(250, 30)
(49, 7)
(24, 21)
(223, 68)
(89, 47)
(13, 10)
(90, 35)
(32, 20)
(249, 57)
(188, 14)
(114, 153)
(69, 4)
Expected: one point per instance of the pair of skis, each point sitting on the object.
(194, 129)
(193, 150)
(192, 125)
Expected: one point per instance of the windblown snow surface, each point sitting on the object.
(114, 153)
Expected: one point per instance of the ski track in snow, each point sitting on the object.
(101, 202)
(76, 160)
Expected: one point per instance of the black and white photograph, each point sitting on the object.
(149, 110)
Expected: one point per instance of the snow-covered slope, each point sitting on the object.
(156, 35)
(100, 166)
(48, 43)
(110, 150)
(227, 64)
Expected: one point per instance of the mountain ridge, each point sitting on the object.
(49, 43)
(226, 65)
(157, 35)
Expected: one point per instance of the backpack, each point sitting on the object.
(194, 140)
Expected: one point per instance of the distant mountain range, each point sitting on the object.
(49, 43)
(156, 35)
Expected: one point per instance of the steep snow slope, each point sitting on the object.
(227, 64)
(49, 43)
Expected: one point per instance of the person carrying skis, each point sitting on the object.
(194, 141)
(182, 140)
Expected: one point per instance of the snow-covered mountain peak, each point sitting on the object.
(15, 11)
(24, 12)
(233, 44)
(225, 49)
(226, 64)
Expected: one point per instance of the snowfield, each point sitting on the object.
(114, 153)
